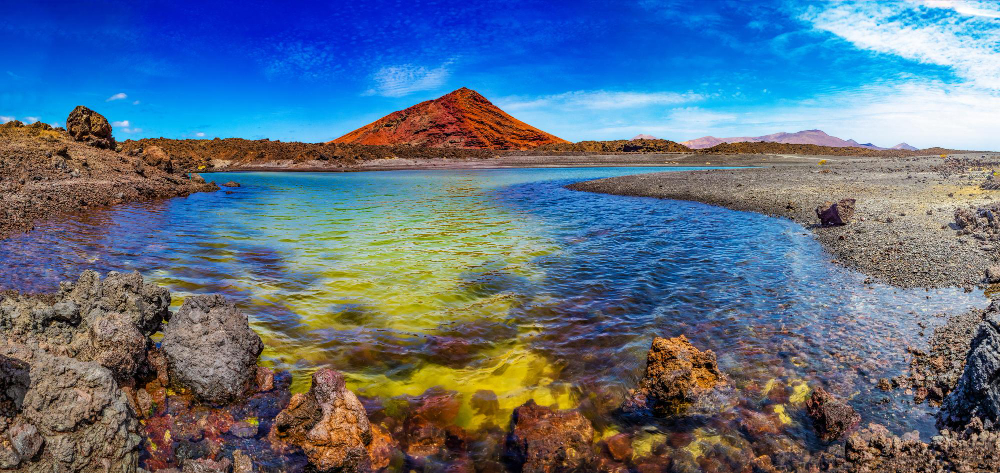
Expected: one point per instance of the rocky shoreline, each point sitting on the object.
(47, 171)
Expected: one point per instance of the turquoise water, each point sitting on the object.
(503, 280)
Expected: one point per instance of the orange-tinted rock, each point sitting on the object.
(677, 374)
(90, 127)
(461, 119)
(619, 446)
(328, 423)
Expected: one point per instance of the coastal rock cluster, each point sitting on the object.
(678, 378)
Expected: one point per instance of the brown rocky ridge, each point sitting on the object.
(460, 119)
(46, 171)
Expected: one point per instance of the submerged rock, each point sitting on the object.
(831, 417)
(875, 450)
(329, 424)
(212, 350)
(839, 213)
(90, 127)
(231, 184)
(544, 440)
(977, 393)
(61, 414)
(678, 376)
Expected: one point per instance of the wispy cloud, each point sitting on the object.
(5, 119)
(118, 96)
(31, 119)
(938, 33)
(200, 134)
(405, 79)
(597, 100)
(967, 7)
(135, 102)
(123, 124)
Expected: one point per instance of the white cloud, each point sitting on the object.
(118, 96)
(961, 36)
(131, 130)
(4, 119)
(405, 79)
(31, 120)
(122, 124)
(597, 100)
(200, 134)
(135, 102)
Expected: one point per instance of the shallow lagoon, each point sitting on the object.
(502, 280)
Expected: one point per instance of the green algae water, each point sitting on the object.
(502, 283)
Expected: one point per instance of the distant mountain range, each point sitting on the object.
(461, 119)
(804, 137)
(643, 137)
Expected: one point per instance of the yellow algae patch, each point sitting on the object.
(644, 443)
(515, 377)
(771, 383)
(779, 409)
(702, 440)
(800, 392)
(608, 432)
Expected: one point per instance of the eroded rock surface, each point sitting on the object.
(678, 376)
(977, 393)
(88, 126)
(329, 424)
(108, 321)
(212, 350)
(544, 440)
(61, 414)
(875, 450)
(839, 213)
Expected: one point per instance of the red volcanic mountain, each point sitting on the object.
(461, 119)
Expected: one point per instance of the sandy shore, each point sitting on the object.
(903, 233)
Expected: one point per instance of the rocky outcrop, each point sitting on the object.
(875, 450)
(977, 393)
(212, 350)
(839, 213)
(155, 156)
(108, 321)
(678, 376)
(544, 440)
(329, 424)
(831, 417)
(90, 127)
(62, 414)
(231, 184)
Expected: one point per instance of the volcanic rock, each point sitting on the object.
(155, 156)
(108, 321)
(212, 350)
(875, 450)
(839, 213)
(831, 417)
(328, 423)
(61, 414)
(231, 184)
(677, 377)
(977, 393)
(90, 127)
(993, 274)
(544, 440)
(461, 119)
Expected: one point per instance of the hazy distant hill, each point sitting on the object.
(461, 119)
(642, 136)
(804, 137)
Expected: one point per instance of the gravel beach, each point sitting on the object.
(903, 232)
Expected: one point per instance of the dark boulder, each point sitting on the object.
(329, 424)
(212, 350)
(90, 127)
(678, 376)
(977, 393)
(831, 417)
(839, 213)
(231, 184)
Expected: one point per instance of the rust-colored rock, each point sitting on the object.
(677, 375)
(329, 424)
(832, 417)
(461, 119)
(544, 440)
(88, 126)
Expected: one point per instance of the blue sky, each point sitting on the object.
(924, 71)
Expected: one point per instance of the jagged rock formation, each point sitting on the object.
(977, 394)
(90, 127)
(461, 119)
(678, 376)
(212, 350)
(832, 417)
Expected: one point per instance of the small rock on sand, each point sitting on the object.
(839, 213)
